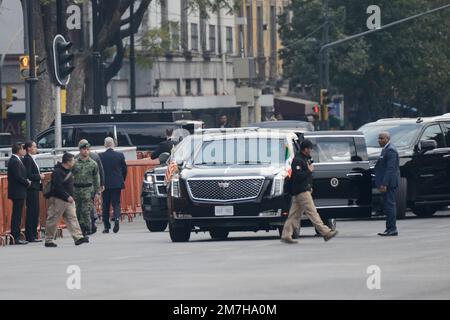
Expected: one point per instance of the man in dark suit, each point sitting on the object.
(115, 169)
(17, 189)
(387, 178)
(35, 176)
(223, 121)
(164, 146)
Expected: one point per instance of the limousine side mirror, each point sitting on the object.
(427, 145)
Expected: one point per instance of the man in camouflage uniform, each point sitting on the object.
(87, 182)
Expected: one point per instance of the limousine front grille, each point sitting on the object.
(217, 189)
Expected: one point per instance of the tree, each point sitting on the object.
(114, 29)
(408, 64)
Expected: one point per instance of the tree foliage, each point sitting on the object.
(407, 64)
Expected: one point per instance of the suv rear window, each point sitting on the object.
(333, 149)
(402, 135)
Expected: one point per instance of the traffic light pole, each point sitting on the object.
(32, 79)
(58, 134)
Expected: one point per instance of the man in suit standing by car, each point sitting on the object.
(164, 146)
(35, 176)
(115, 169)
(17, 189)
(387, 178)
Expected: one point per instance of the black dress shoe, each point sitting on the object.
(388, 234)
(82, 240)
(50, 245)
(105, 231)
(116, 227)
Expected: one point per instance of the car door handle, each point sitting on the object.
(354, 174)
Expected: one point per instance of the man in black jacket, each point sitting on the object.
(17, 189)
(302, 201)
(115, 169)
(62, 204)
(35, 176)
(164, 146)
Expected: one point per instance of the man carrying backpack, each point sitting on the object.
(62, 204)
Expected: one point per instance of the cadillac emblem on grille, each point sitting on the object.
(223, 185)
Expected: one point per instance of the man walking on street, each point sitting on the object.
(115, 175)
(387, 178)
(17, 189)
(87, 183)
(302, 201)
(35, 176)
(94, 156)
(62, 204)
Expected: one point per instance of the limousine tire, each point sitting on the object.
(156, 226)
(219, 234)
(424, 211)
(401, 198)
(331, 223)
(179, 233)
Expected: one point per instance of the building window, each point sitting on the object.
(188, 87)
(212, 38)
(194, 36)
(175, 35)
(199, 87)
(216, 87)
(229, 40)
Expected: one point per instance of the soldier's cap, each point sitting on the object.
(84, 144)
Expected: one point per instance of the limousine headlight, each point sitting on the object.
(372, 163)
(175, 187)
(278, 185)
(149, 178)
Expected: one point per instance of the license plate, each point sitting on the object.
(270, 214)
(224, 211)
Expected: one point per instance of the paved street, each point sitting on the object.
(138, 264)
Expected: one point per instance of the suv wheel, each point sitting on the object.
(401, 198)
(424, 211)
(156, 226)
(179, 232)
(219, 233)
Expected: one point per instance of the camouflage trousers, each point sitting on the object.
(84, 204)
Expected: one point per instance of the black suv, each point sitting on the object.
(235, 181)
(424, 149)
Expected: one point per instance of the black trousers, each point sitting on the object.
(16, 218)
(111, 197)
(32, 220)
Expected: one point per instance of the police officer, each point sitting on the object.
(302, 201)
(86, 182)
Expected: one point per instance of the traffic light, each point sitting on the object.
(324, 98)
(24, 63)
(10, 94)
(316, 109)
(63, 60)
